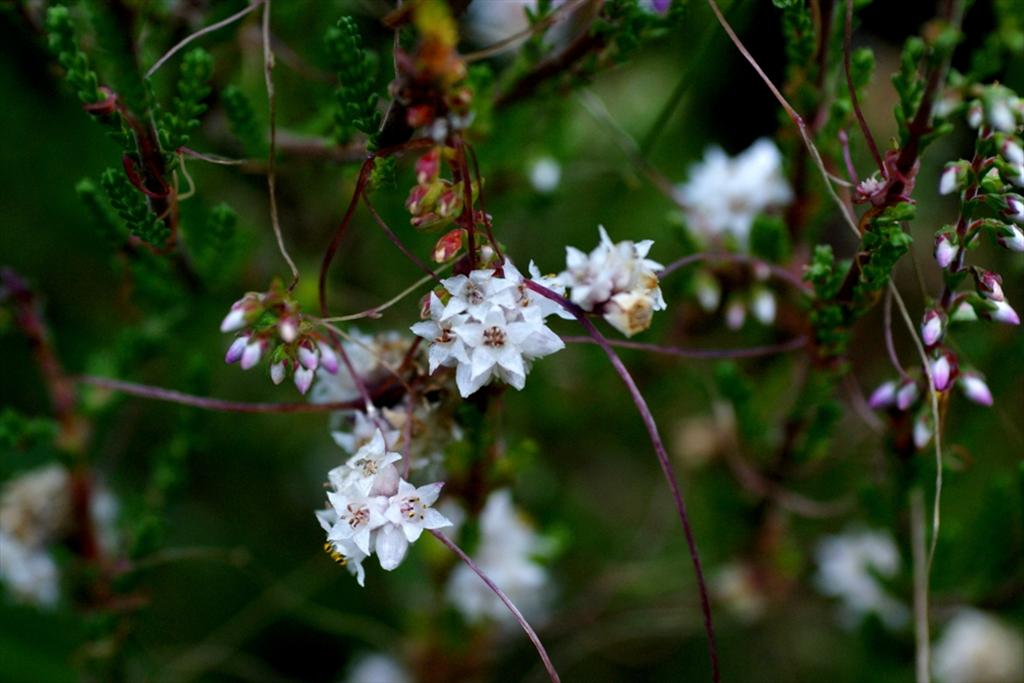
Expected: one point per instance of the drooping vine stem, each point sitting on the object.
(360, 188)
(393, 238)
(207, 403)
(520, 619)
(659, 449)
(200, 33)
(751, 352)
(268, 79)
(847, 47)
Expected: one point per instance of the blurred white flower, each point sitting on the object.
(371, 358)
(735, 585)
(725, 194)
(545, 175)
(28, 572)
(848, 567)
(378, 668)
(36, 512)
(978, 648)
(507, 554)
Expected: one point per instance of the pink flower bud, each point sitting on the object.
(922, 431)
(942, 370)
(989, 284)
(884, 396)
(1012, 152)
(906, 394)
(428, 165)
(303, 379)
(1003, 313)
(1014, 208)
(236, 349)
(328, 359)
(975, 114)
(252, 354)
(448, 246)
(945, 249)
(953, 178)
(975, 389)
(735, 314)
(288, 329)
(1011, 238)
(277, 372)
(932, 327)
(234, 320)
(308, 357)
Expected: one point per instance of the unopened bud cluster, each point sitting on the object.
(272, 326)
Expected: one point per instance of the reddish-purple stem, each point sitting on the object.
(396, 241)
(847, 47)
(206, 403)
(530, 633)
(660, 452)
(751, 352)
(332, 248)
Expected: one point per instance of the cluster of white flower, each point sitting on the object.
(35, 512)
(724, 195)
(849, 565)
(737, 588)
(507, 553)
(978, 648)
(617, 280)
(492, 327)
(373, 509)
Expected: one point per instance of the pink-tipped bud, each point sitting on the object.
(428, 165)
(328, 358)
(975, 388)
(954, 177)
(1012, 238)
(988, 284)
(448, 246)
(303, 379)
(252, 354)
(932, 327)
(1017, 177)
(1003, 313)
(234, 320)
(450, 202)
(236, 349)
(308, 357)
(884, 396)
(277, 372)
(1001, 115)
(735, 314)
(288, 328)
(922, 431)
(943, 370)
(906, 394)
(1012, 152)
(945, 249)
(975, 114)
(1014, 208)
